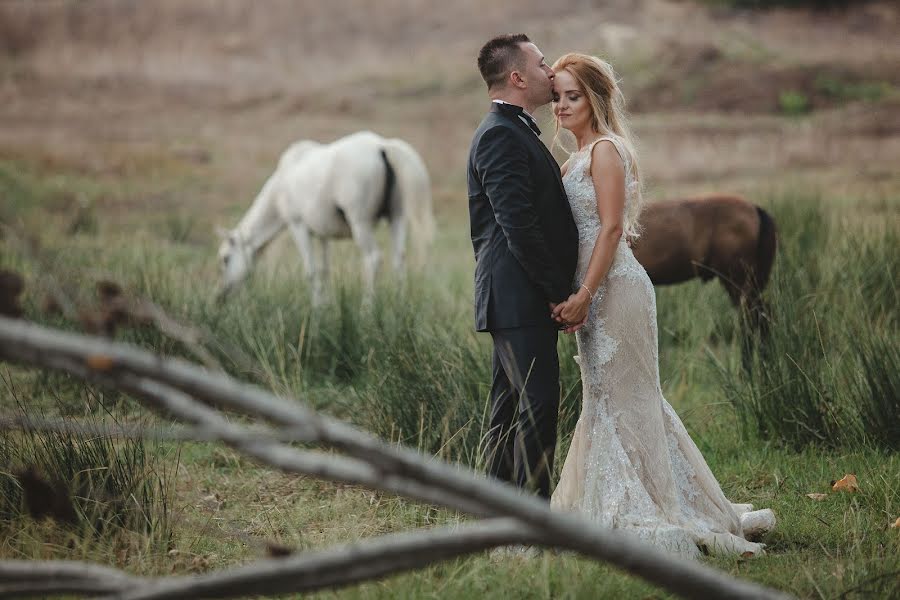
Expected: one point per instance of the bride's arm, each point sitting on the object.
(608, 176)
(564, 168)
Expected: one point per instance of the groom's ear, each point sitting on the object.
(517, 80)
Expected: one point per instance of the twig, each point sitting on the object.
(341, 565)
(167, 433)
(23, 578)
(174, 386)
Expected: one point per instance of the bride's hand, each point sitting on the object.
(575, 309)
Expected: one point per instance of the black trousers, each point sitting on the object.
(521, 438)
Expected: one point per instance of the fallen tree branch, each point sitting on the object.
(24, 578)
(174, 386)
(167, 433)
(341, 565)
(256, 443)
(170, 433)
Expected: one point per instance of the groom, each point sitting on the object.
(526, 250)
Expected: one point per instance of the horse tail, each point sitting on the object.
(390, 181)
(766, 245)
(411, 193)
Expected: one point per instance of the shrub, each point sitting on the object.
(793, 103)
(838, 89)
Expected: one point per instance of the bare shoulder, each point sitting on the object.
(605, 155)
(605, 161)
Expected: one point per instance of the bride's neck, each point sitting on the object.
(583, 137)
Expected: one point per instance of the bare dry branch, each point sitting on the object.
(170, 433)
(174, 385)
(258, 444)
(167, 433)
(342, 565)
(23, 578)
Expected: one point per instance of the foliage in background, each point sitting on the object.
(793, 103)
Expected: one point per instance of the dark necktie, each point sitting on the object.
(531, 122)
(521, 114)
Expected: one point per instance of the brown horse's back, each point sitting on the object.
(668, 243)
(698, 237)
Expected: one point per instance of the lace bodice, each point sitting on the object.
(580, 189)
(583, 202)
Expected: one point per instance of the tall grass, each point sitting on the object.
(94, 485)
(411, 370)
(827, 373)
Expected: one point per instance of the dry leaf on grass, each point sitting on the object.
(199, 564)
(846, 484)
(817, 497)
(896, 524)
(99, 362)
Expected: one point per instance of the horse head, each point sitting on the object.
(235, 260)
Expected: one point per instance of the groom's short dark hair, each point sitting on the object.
(500, 56)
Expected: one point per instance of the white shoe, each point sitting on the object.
(740, 509)
(757, 523)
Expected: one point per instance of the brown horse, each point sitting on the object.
(717, 236)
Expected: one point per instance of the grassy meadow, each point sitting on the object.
(815, 405)
(101, 179)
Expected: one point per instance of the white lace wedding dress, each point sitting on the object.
(631, 464)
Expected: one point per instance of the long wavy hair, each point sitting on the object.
(599, 83)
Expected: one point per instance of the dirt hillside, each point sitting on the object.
(721, 98)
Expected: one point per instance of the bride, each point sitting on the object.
(631, 464)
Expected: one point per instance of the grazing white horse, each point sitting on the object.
(335, 190)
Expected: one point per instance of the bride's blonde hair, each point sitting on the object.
(597, 80)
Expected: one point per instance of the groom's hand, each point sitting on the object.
(556, 315)
(556, 310)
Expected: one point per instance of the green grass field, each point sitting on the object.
(819, 402)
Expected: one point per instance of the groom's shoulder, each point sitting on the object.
(494, 128)
(493, 120)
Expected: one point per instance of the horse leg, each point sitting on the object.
(757, 311)
(301, 235)
(364, 236)
(744, 296)
(398, 233)
(322, 270)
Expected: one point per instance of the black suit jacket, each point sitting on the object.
(523, 234)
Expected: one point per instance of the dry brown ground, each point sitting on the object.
(218, 88)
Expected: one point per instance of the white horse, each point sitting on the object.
(335, 190)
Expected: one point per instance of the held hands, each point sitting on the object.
(572, 313)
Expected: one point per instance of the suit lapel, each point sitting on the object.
(554, 166)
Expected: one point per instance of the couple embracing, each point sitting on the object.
(552, 255)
